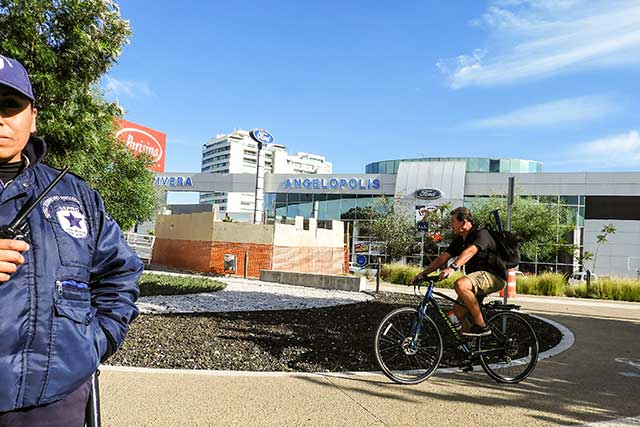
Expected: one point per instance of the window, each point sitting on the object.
(625, 208)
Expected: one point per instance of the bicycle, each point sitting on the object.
(408, 344)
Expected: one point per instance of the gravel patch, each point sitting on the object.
(250, 295)
(320, 339)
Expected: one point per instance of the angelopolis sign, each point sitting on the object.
(427, 194)
(140, 139)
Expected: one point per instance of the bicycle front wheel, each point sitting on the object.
(408, 351)
(510, 353)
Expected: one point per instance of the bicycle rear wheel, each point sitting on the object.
(510, 353)
(402, 357)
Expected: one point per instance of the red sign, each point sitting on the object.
(140, 139)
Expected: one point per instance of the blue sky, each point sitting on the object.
(360, 81)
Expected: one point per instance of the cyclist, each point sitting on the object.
(476, 250)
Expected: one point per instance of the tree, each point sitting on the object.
(67, 46)
(439, 232)
(395, 226)
(362, 216)
(541, 228)
(600, 239)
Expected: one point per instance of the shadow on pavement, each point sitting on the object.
(584, 384)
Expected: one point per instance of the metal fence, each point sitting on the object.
(142, 244)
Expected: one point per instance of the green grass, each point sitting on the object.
(550, 284)
(545, 284)
(402, 274)
(162, 284)
(611, 289)
(555, 284)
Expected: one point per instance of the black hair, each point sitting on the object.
(462, 214)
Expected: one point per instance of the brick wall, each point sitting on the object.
(186, 254)
(308, 260)
(208, 257)
(259, 257)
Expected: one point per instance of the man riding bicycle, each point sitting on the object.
(476, 250)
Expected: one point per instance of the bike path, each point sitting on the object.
(597, 380)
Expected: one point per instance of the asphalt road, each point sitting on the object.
(597, 380)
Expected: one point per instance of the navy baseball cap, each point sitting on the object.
(14, 75)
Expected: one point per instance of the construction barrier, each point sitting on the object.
(511, 284)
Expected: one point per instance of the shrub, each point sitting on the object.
(400, 274)
(403, 274)
(164, 284)
(552, 284)
(617, 289)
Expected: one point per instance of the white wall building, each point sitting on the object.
(237, 153)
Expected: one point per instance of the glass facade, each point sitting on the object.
(356, 211)
(562, 262)
(321, 206)
(474, 164)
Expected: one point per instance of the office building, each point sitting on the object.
(237, 153)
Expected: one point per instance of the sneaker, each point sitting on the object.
(477, 331)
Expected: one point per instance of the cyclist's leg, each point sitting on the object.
(466, 288)
(461, 313)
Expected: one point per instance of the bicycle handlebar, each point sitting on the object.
(428, 279)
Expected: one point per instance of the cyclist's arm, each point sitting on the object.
(466, 255)
(462, 259)
(435, 264)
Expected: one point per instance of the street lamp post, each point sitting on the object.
(255, 199)
(261, 137)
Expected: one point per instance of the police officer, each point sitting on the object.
(67, 293)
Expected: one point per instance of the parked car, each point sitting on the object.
(580, 277)
(371, 269)
(520, 275)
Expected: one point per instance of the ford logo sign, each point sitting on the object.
(427, 194)
(261, 135)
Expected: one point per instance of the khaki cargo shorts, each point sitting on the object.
(485, 283)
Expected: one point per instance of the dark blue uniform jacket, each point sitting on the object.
(72, 300)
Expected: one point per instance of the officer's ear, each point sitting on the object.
(34, 114)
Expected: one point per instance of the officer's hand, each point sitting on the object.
(11, 257)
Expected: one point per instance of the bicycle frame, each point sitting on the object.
(422, 312)
(462, 343)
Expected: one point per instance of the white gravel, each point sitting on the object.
(248, 295)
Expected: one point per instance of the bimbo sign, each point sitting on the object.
(140, 139)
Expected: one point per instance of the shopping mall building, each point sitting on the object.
(594, 198)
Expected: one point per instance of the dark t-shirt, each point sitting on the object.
(8, 171)
(485, 259)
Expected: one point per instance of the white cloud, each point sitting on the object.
(537, 38)
(619, 148)
(555, 113)
(131, 89)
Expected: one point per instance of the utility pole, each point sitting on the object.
(510, 195)
(260, 136)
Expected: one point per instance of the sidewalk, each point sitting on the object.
(566, 389)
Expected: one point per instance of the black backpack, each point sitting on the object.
(507, 244)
